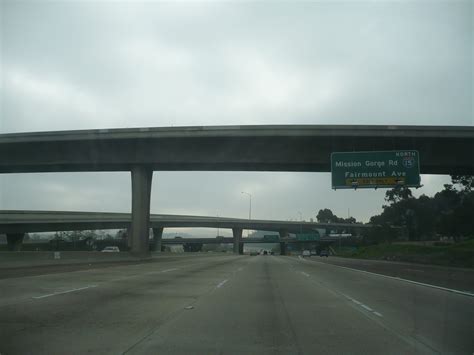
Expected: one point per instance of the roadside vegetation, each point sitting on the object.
(435, 230)
(447, 254)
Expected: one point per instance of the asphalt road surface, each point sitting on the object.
(450, 277)
(225, 304)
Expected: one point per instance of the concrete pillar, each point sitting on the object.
(283, 235)
(241, 248)
(157, 234)
(129, 237)
(14, 241)
(237, 233)
(141, 194)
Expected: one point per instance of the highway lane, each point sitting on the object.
(230, 305)
(442, 320)
(12, 269)
(449, 277)
(103, 310)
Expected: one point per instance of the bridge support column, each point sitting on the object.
(283, 235)
(129, 237)
(157, 234)
(237, 233)
(141, 194)
(14, 241)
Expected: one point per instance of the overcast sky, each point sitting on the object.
(87, 64)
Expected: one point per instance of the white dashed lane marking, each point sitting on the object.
(63, 292)
(367, 308)
(220, 284)
(168, 270)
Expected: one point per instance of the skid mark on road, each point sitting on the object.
(64, 292)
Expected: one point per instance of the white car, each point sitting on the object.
(111, 250)
(305, 253)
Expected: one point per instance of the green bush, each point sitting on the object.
(460, 254)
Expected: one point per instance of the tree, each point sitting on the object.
(425, 217)
(350, 220)
(466, 182)
(398, 194)
(122, 234)
(446, 203)
(325, 216)
(192, 247)
(449, 212)
(464, 215)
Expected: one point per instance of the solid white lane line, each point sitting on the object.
(367, 308)
(305, 274)
(63, 292)
(464, 293)
(377, 314)
(221, 283)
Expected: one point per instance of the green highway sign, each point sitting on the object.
(305, 237)
(353, 170)
(271, 238)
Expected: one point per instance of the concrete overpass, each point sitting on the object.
(249, 240)
(443, 150)
(16, 223)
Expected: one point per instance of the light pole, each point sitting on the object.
(301, 221)
(250, 208)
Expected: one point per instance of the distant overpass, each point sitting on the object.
(443, 150)
(15, 223)
(21, 221)
(249, 240)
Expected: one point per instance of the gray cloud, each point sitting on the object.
(77, 65)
